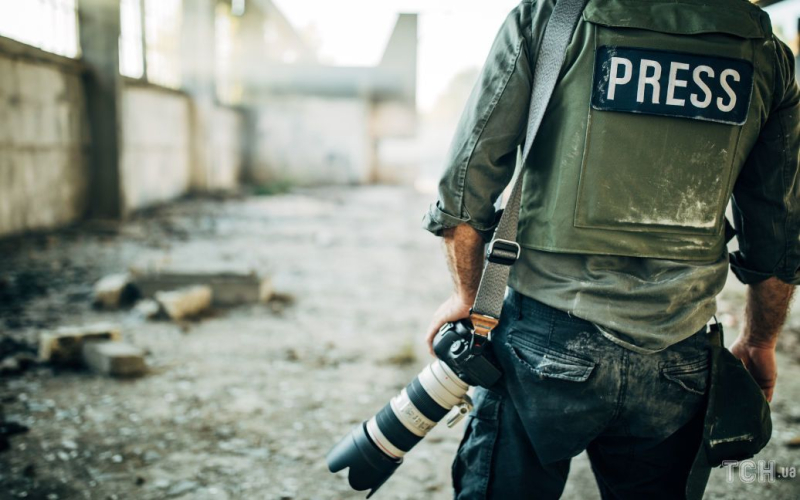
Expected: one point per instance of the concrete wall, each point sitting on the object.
(156, 146)
(156, 163)
(312, 140)
(43, 140)
(228, 139)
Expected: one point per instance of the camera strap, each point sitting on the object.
(503, 250)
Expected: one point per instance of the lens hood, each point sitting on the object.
(369, 466)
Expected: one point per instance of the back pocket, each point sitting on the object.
(692, 374)
(547, 362)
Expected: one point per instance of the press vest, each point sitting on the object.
(656, 110)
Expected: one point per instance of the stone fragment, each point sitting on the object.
(794, 442)
(17, 363)
(185, 302)
(230, 288)
(114, 291)
(147, 308)
(10, 366)
(64, 345)
(116, 359)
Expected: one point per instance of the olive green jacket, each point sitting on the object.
(605, 182)
(644, 300)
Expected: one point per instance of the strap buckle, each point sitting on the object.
(503, 252)
(483, 324)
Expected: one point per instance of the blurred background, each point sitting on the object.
(212, 261)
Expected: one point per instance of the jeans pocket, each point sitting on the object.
(472, 465)
(549, 362)
(690, 374)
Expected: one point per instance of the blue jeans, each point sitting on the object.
(567, 388)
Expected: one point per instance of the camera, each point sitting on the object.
(375, 449)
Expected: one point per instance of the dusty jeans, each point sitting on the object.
(567, 388)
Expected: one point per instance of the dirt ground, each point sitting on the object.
(245, 403)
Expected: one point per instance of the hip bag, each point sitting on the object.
(737, 423)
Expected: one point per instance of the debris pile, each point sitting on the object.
(180, 294)
(229, 288)
(98, 347)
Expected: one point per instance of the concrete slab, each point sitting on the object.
(230, 288)
(115, 359)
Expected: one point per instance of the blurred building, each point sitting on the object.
(109, 106)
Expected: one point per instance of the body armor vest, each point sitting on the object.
(657, 108)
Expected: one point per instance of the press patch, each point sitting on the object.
(657, 82)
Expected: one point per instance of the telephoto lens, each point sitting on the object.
(375, 449)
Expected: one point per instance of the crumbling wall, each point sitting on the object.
(228, 148)
(156, 162)
(156, 153)
(43, 140)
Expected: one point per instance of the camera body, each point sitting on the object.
(469, 355)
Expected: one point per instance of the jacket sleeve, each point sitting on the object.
(483, 153)
(766, 197)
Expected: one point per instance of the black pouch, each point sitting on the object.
(737, 422)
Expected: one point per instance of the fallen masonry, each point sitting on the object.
(230, 288)
(116, 359)
(114, 291)
(185, 302)
(64, 346)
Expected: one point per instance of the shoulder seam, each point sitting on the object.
(481, 126)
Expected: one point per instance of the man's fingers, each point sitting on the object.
(432, 329)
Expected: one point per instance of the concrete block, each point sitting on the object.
(114, 291)
(116, 359)
(64, 346)
(229, 288)
(185, 302)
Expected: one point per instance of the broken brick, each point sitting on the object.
(185, 302)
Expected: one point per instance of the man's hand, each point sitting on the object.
(760, 362)
(453, 309)
(464, 250)
(765, 312)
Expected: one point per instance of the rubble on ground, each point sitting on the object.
(248, 403)
(114, 291)
(230, 288)
(116, 359)
(183, 303)
(64, 346)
